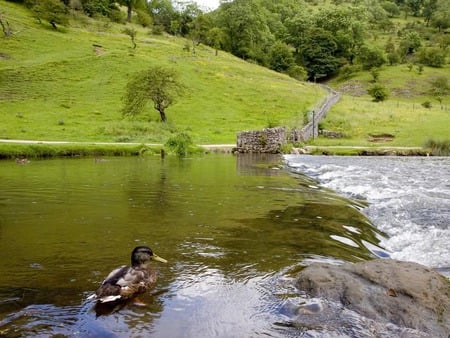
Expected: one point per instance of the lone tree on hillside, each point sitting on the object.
(158, 84)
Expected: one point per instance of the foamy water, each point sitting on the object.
(409, 199)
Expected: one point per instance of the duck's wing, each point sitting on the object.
(115, 275)
(110, 290)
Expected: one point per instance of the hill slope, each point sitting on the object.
(67, 84)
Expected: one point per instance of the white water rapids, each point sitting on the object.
(409, 199)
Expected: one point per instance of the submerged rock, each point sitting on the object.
(405, 298)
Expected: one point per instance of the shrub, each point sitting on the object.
(180, 144)
(438, 148)
(426, 104)
(378, 92)
(432, 56)
(371, 57)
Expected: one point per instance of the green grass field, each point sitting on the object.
(59, 85)
(67, 85)
(403, 116)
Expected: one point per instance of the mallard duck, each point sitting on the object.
(127, 282)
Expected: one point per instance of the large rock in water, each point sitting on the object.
(397, 298)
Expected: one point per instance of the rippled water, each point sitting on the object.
(235, 231)
(409, 200)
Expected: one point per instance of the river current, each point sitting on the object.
(236, 230)
(408, 199)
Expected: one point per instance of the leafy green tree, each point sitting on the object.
(199, 28)
(281, 58)
(163, 14)
(441, 17)
(410, 43)
(432, 56)
(440, 87)
(391, 9)
(132, 5)
(215, 38)
(247, 34)
(346, 25)
(378, 92)
(429, 8)
(158, 84)
(371, 57)
(318, 54)
(52, 11)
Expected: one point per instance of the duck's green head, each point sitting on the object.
(143, 254)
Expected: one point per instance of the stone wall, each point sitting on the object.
(269, 140)
(311, 130)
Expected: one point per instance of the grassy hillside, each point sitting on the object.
(68, 85)
(402, 116)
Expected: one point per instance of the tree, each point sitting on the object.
(52, 11)
(215, 38)
(158, 84)
(371, 57)
(440, 87)
(281, 58)
(130, 5)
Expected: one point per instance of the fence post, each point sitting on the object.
(313, 124)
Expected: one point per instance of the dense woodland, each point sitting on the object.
(313, 39)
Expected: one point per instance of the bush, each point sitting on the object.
(426, 104)
(378, 92)
(180, 144)
(438, 148)
(433, 57)
(144, 19)
(371, 57)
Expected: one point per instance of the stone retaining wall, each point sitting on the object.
(269, 140)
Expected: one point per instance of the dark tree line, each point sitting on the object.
(296, 37)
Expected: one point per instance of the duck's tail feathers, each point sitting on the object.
(108, 299)
(93, 296)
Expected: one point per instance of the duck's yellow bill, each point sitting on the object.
(159, 259)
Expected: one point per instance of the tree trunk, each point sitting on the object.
(163, 115)
(129, 13)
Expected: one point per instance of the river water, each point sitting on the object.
(235, 231)
(409, 200)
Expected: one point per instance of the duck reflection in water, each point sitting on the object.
(124, 284)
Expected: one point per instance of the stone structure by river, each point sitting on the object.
(271, 140)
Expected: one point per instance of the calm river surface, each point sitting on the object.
(235, 231)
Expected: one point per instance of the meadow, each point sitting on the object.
(68, 85)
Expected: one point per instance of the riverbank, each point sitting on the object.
(48, 149)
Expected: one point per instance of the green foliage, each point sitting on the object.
(180, 144)
(378, 92)
(131, 32)
(432, 56)
(375, 72)
(144, 18)
(347, 71)
(371, 57)
(410, 43)
(437, 147)
(8, 151)
(427, 104)
(158, 84)
(52, 11)
(440, 87)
